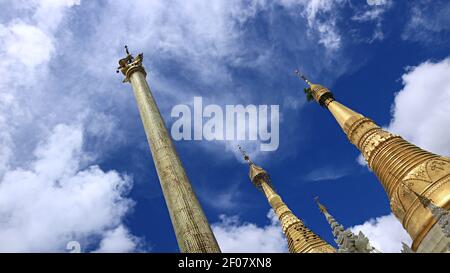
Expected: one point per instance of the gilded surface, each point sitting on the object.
(397, 164)
(192, 230)
(300, 239)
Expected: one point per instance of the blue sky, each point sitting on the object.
(74, 161)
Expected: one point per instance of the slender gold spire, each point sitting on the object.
(396, 162)
(300, 238)
(191, 227)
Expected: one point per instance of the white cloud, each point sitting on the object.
(370, 12)
(58, 73)
(326, 173)
(39, 91)
(385, 233)
(326, 27)
(373, 15)
(54, 195)
(321, 16)
(27, 45)
(206, 41)
(203, 34)
(236, 236)
(421, 109)
(29, 40)
(118, 240)
(361, 160)
(59, 198)
(223, 200)
(50, 13)
(206, 35)
(429, 22)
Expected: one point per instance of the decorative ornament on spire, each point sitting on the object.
(301, 76)
(347, 241)
(316, 92)
(306, 90)
(130, 64)
(300, 238)
(245, 155)
(257, 174)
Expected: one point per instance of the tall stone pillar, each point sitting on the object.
(192, 230)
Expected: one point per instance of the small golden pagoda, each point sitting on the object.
(396, 163)
(300, 238)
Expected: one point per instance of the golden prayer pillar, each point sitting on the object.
(398, 164)
(191, 227)
(300, 238)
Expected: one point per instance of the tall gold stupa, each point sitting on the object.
(397, 163)
(191, 227)
(300, 238)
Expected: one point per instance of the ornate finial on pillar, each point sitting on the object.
(130, 64)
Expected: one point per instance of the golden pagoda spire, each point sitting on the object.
(191, 227)
(300, 238)
(347, 241)
(396, 162)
